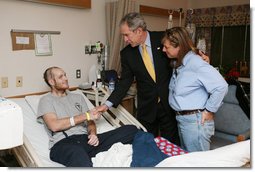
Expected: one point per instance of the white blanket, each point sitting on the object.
(119, 155)
(234, 155)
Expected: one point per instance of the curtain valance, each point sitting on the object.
(219, 16)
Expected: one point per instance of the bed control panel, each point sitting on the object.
(6, 104)
(11, 124)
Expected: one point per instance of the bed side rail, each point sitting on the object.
(26, 155)
(118, 116)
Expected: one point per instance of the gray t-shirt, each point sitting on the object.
(70, 105)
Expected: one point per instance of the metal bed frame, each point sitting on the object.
(26, 155)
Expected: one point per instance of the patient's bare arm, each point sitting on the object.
(92, 133)
(55, 124)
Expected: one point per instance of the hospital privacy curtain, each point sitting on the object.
(220, 16)
(114, 13)
(226, 31)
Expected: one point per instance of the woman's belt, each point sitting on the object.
(188, 112)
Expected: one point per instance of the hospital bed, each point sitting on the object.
(35, 153)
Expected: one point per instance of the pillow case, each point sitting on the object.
(33, 100)
(102, 124)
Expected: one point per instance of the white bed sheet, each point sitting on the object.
(234, 155)
(36, 133)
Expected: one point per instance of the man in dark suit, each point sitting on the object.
(153, 110)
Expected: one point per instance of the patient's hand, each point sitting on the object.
(97, 111)
(93, 140)
(94, 114)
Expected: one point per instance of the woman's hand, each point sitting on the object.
(206, 116)
(93, 140)
(204, 57)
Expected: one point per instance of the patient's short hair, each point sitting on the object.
(48, 74)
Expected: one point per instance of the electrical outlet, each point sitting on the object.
(4, 82)
(78, 73)
(19, 81)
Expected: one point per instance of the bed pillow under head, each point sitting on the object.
(33, 102)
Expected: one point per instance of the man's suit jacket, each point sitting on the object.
(147, 90)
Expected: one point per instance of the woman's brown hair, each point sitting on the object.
(179, 37)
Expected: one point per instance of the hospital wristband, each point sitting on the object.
(88, 117)
(72, 121)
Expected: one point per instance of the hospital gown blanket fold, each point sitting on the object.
(146, 152)
(119, 155)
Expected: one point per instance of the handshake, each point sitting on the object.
(96, 113)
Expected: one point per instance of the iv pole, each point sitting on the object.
(170, 19)
(180, 19)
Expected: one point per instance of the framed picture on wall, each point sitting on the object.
(43, 45)
(22, 41)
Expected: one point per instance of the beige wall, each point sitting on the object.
(159, 23)
(77, 26)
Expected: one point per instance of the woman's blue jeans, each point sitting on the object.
(193, 135)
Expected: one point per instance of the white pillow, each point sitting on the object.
(33, 101)
(102, 124)
(234, 155)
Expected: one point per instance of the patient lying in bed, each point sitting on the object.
(120, 155)
(73, 139)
